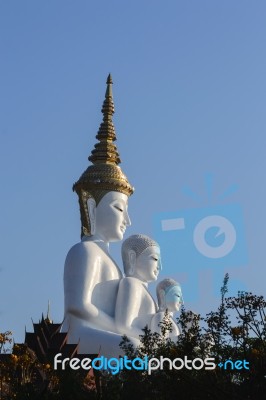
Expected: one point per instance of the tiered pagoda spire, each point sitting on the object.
(105, 151)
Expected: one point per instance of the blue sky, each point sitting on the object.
(189, 91)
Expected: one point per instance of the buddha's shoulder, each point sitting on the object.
(131, 282)
(88, 249)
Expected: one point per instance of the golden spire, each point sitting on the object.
(105, 152)
(104, 175)
(48, 319)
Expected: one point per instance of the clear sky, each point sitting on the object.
(189, 91)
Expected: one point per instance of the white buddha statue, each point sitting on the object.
(91, 277)
(170, 298)
(135, 306)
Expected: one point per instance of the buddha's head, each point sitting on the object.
(141, 258)
(103, 189)
(109, 220)
(169, 295)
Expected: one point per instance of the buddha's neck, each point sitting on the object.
(139, 279)
(97, 239)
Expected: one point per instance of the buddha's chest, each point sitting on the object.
(104, 293)
(147, 304)
(99, 264)
(108, 270)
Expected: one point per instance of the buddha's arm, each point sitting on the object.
(82, 273)
(127, 306)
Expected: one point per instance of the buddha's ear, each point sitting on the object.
(161, 299)
(92, 214)
(132, 257)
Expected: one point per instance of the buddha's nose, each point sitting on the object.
(127, 219)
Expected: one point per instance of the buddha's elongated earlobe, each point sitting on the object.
(161, 300)
(92, 214)
(132, 262)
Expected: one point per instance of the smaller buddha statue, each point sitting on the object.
(135, 306)
(170, 298)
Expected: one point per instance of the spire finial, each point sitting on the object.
(105, 151)
(109, 82)
(109, 79)
(48, 319)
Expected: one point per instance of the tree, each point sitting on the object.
(235, 331)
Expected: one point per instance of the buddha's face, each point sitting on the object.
(148, 264)
(173, 298)
(112, 217)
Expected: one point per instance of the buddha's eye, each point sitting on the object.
(119, 208)
(154, 258)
